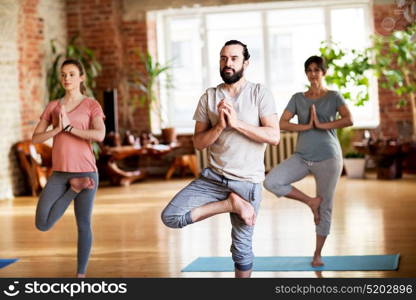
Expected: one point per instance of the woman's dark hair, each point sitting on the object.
(245, 50)
(77, 63)
(319, 61)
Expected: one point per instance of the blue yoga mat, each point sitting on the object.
(6, 262)
(299, 263)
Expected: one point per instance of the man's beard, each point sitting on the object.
(231, 78)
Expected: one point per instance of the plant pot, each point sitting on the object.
(409, 159)
(355, 167)
(389, 167)
(169, 135)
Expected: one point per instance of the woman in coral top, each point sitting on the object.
(77, 120)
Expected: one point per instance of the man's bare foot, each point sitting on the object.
(80, 275)
(80, 183)
(314, 204)
(242, 208)
(317, 261)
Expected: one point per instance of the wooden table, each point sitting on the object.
(388, 156)
(111, 155)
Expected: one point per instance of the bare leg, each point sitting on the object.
(80, 183)
(233, 204)
(317, 261)
(242, 274)
(313, 203)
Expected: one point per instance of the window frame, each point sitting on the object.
(163, 37)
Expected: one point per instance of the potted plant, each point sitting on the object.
(393, 58)
(395, 62)
(354, 161)
(146, 82)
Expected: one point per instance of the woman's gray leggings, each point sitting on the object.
(55, 199)
(326, 173)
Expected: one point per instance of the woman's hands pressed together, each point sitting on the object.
(314, 120)
(64, 119)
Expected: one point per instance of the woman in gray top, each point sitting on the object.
(317, 151)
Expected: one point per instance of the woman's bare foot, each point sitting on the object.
(80, 183)
(314, 204)
(242, 208)
(92, 183)
(80, 275)
(317, 261)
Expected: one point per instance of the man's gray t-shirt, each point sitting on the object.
(234, 155)
(317, 144)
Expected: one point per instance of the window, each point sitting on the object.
(280, 37)
(296, 33)
(184, 48)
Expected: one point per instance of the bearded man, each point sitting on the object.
(234, 120)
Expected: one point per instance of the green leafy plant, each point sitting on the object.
(354, 154)
(146, 82)
(345, 136)
(395, 62)
(85, 55)
(96, 149)
(348, 71)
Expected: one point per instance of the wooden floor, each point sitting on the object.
(370, 217)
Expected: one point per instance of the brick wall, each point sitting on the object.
(97, 25)
(135, 39)
(9, 101)
(100, 27)
(25, 30)
(53, 14)
(38, 23)
(31, 85)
